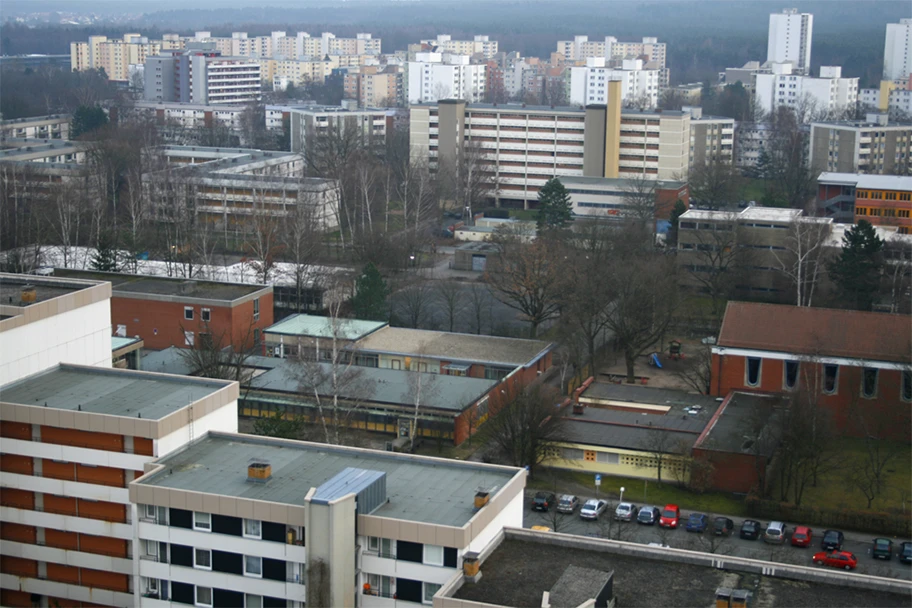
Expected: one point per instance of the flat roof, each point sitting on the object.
(518, 571)
(863, 180)
(634, 394)
(114, 392)
(11, 286)
(477, 246)
(772, 214)
(449, 346)
(118, 342)
(744, 418)
(373, 384)
(321, 327)
(620, 181)
(177, 287)
(428, 490)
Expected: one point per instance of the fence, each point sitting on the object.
(888, 524)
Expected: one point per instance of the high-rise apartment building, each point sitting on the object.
(872, 145)
(113, 56)
(374, 87)
(782, 86)
(435, 76)
(479, 45)
(790, 34)
(589, 84)
(527, 145)
(898, 51)
(712, 138)
(650, 50)
(202, 76)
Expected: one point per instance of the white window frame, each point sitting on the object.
(253, 574)
(196, 600)
(424, 593)
(149, 512)
(188, 313)
(196, 564)
(248, 596)
(256, 309)
(150, 585)
(201, 528)
(373, 544)
(259, 526)
(429, 559)
(151, 547)
(188, 338)
(747, 362)
(205, 315)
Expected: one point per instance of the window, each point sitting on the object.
(830, 378)
(202, 521)
(253, 566)
(205, 314)
(188, 313)
(151, 548)
(869, 383)
(753, 371)
(433, 555)
(256, 309)
(791, 374)
(373, 543)
(907, 385)
(202, 559)
(607, 457)
(149, 512)
(256, 337)
(253, 528)
(188, 338)
(429, 590)
(203, 596)
(253, 601)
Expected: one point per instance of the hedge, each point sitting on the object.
(876, 522)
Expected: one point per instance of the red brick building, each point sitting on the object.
(167, 312)
(858, 365)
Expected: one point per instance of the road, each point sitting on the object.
(606, 527)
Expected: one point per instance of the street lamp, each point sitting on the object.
(621, 499)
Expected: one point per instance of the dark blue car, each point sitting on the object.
(697, 522)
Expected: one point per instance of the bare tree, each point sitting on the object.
(803, 259)
(897, 272)
(414, 302)
(640, 200)
(479, 299)
(451, 299)
(718, 262)
(661, 445)
(715, 183)
(469, 178)
(527, 427)
(218, 354)
(301, 235)
(420, 387)
(697, 371)
(264, 242)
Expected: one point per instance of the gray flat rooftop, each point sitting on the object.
(517, 573)
(419, 489)
(631, 393)
(109, 391)
(373, 384)
(165, 286)
(11, 287)
(448, 346)
(746, 419)
(321, 327)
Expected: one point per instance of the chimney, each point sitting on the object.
(258, 470)
(481, 498)
(470, 566)
(28, 295)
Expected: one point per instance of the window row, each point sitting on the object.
(431, 555)
(830, 381)
(222, 524)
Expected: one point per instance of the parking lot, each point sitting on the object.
(605, 527)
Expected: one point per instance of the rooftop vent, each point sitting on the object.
(28, 295)
(187, 287)
(259, 470)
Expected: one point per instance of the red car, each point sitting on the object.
(671, 515)
(801, 537)
(836, 559)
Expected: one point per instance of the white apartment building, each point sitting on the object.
(435, 76)
(191, 115)
(308, 122)
(900, 99)
(236, 520)
(113, 56)
(830, 92)
(582, 48)
(444, 43)
(790, 34)
(56, 126)
(898, 51)
(282, 72)
(711, 137)
(872, 145)
(589, 84)
(201, 76)
(753, 138)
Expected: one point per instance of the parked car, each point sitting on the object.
(593, 508)
(883, 549)
(802, 536)
(750, 529)
(625, 512)
(723, 526)
(775, 533)
(671, 515)
(836, 559)
(543, 501)
(905, 552)
(697, 522)
(832, 540)
(567, 503)
(648, 515)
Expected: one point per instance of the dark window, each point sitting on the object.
(449, 557)
(182, 593)
(182, 555)
(410, 552)
(830, 378)
(791, 374)
(274, 569)
(180, 518)
(753, 371)
(408, 590)
(222, 561)
(274, 602)
(225, 524)
(206, 315)
(273, 531)
(907, 385)
(222, 597)
(869, 384)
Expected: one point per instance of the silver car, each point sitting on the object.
(593, 508)
(567, 503)
(626, 512)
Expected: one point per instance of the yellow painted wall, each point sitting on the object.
(630, 463)
(613, 130)
(886, 87)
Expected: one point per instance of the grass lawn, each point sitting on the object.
(835, 491)
(754, 189)
(655, 493)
